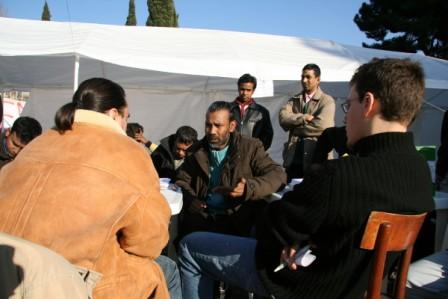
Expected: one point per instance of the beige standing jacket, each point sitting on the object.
(321, 106)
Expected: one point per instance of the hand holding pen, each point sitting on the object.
(302, 258)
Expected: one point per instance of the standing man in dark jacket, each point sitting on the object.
(172, 150)
(330, 208)
(226, 177)
(252, 119)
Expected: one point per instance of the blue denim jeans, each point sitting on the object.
(428, 277)
(171, 274)
(208, 257)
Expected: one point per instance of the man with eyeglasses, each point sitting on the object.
(305, 116)
(329, 209)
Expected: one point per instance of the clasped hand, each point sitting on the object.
(237, 191)
(198, 206)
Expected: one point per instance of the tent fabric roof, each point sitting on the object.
(209, 53)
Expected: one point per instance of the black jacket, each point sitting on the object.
(331, 138)
(331, 208)
(163, 158)
(256, 123)
(442, 153)
(5, 158)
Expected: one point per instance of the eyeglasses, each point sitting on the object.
(345, 106)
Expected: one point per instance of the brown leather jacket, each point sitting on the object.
(246, 158)
(92, 195)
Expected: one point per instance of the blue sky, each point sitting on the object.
(322, 19)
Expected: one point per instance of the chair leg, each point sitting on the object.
(379, 258)
(400, 286)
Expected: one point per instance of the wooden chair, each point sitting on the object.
(386, 232)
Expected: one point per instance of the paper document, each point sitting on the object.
(303, 258)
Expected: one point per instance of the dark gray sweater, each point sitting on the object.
(331, 208)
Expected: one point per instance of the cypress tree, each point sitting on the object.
(46, 15)
(131, 20)
(175, 18)
(162, 13)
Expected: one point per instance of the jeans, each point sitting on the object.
(207, 257)
(172, 277)
(428, 277)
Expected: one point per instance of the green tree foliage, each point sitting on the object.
(162, 13)
(175, 18)
(131, 19)
(406, 25)
(46, 15)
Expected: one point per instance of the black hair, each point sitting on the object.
(26, 129)
(314, 67)
(96, 94)
(247, 78)
(186, 135)
(221, 105)
(133, 128)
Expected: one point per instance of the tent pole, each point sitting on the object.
(76, 73)
(434, 106)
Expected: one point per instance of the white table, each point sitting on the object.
(174, 199)
(441, 203)
(173, 196)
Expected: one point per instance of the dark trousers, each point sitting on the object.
(303, 158)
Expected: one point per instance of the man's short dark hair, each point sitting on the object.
(398, 84)
(133, 128)
(26, 129)
(221, 105)
(313, 67)
(186, 135)
(247, 78)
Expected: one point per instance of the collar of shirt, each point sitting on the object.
(243, 105)
(308, 97)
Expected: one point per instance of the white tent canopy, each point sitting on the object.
(172, 74)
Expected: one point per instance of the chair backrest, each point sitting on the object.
(386, 232)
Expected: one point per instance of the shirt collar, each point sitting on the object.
(309, 97)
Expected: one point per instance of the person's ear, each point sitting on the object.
(112, 113)
(232, 126)
(370, 104)
(7, 132)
